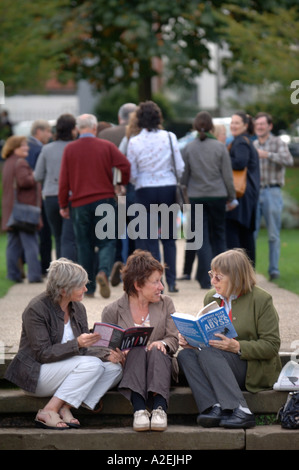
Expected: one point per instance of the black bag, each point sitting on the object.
(24, 217)
(289, 414)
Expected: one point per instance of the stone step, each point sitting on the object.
(16, 401)
(111, 430)
(184, 439)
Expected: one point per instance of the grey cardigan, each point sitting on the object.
(47, 167)
(208, 170)
(42, 331)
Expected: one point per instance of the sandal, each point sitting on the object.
(52, 419)
(67, 417)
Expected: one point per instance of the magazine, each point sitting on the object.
(113, 336)
(199, 329)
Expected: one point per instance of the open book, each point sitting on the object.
(113, 336)
(199, 329)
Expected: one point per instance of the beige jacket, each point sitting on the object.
(165, 330)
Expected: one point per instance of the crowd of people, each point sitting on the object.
(76, 179)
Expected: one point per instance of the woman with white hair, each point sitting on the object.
(53, 357)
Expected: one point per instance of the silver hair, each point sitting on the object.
(64, 276)
(39, 124)
(86, 121)
(125, 110)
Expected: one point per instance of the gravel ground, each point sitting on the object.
(189, 299)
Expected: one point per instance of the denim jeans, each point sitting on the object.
(22, 245)
(62, 230)
(270, 206)
(94, 254)
(155, 196)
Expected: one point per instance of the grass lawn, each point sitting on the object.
(5, 284)
(288, 264)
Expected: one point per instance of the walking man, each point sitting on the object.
(86, 178)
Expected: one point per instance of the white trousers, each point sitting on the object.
(79, 379)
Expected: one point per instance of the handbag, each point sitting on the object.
(181, 190)
(289, 414)
(24, 217)
(240, 181)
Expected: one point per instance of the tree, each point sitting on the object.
(264, 49)
(120, 41)
(110, 42)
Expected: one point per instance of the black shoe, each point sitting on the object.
(115, 277)
(239, 419)
(184, 277)
(212, 417)
(273, 276)
(173, 289)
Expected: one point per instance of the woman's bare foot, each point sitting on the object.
(50, 419)
(66, 415)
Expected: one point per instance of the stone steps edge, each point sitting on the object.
(181, 402)
(270, 437)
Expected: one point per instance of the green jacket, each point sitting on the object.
(257, 324)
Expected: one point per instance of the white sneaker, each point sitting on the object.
(141, 420)
(159, 420)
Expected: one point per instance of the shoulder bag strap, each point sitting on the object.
(172, 155)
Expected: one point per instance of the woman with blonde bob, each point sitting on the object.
(55, 358)
(218, 374)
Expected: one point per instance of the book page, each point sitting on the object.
(208, 308)
(110, 335)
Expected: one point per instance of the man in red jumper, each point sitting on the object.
(86, 181)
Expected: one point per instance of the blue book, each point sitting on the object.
(199, 329)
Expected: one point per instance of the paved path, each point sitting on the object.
(188, 299)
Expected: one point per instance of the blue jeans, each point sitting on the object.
(270, 206)
(21, 245)
(84, 223)
(159, 195)
(62, 230)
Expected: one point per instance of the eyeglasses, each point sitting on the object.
(218, 277)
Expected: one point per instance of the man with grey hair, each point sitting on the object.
(41, 133)
(115, 134)
(86, 180)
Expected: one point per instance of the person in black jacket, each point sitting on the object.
(241, 222)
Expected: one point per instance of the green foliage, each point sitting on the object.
(264, 46)
(111, 42)
(109, 104)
